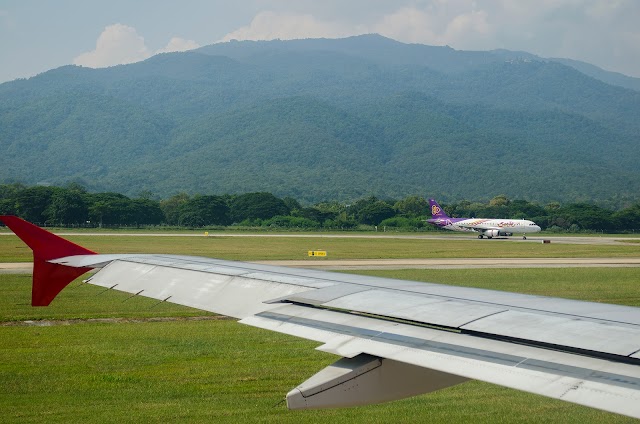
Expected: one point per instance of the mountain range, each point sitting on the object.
(329, 119)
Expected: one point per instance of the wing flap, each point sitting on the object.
(364, 380)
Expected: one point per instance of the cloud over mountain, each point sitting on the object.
(120, 44)
(287, 26)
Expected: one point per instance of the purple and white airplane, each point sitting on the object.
(486, 227)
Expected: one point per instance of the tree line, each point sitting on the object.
(73, 205)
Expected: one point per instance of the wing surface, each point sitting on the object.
(400, 338)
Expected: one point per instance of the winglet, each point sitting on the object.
(48, 278)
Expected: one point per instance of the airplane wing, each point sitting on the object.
(398, 338)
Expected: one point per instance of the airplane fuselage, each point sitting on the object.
(487, 227)
(476, 224)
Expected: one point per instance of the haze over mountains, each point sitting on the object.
(323, 119)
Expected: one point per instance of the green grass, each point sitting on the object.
(140, 370)
(630, 241)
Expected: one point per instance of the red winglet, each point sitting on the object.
(48, 279)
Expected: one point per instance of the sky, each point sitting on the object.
(38, 35)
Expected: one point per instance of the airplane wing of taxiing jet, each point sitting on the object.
(395, 338)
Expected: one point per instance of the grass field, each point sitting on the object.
(215, 370)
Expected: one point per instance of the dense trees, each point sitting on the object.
(371, 211)
(32, 202)
(67, 206)
(72, 205)
(199, 211)
(628, 218)
(252, 206)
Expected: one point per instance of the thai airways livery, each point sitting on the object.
(486, 227)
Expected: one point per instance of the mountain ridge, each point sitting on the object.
(299, 119)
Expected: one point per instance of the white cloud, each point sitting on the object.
(410, 25)
(177, 44)
(286, 26)
(439, 23)
(436, 24)
(469, 25)
(120, 44)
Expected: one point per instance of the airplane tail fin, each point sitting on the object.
(48, 278)
(436, 210)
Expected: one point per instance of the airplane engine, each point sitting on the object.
(492, 233)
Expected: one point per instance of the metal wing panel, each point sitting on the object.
(325, 295)
(230, 295)
(543, 304)
(561, 331)
(288, 279)
(420, 308)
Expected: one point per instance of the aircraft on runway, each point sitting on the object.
(486, 227)
(394, 338)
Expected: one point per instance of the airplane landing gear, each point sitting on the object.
(524, 237)
(480, 236)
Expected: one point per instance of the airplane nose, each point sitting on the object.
(537, 227)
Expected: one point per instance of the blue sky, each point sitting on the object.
(38, 35)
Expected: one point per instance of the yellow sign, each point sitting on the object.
(317, 253)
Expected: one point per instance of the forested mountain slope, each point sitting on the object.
(326, 119)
